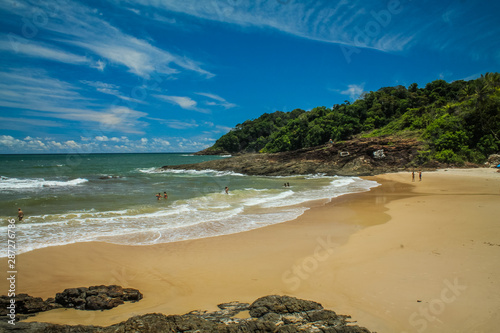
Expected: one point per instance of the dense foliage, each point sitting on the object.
(459, 121)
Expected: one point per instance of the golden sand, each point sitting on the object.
(406, 256)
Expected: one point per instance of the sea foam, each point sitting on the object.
(7, 183)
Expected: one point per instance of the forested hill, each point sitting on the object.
(457, 121)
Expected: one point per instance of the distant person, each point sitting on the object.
(165, 195)
(158, 196)
(331, 141)
(413, 176)
(226, 190)
(420, 176)
(287, 184)
(20, 214)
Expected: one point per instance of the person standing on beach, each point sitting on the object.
(420, 176)
(20, 214)
(413, 176)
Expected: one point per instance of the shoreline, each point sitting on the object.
(363, 269)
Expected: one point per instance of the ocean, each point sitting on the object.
(69, 198)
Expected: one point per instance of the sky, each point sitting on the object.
(126, 76)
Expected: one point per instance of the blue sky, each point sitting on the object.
(175, 75)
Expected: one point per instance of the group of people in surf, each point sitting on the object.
(164, 196)
(159, 196)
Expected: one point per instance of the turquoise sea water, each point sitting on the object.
(111, 197)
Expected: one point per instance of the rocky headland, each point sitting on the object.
(274, 313)
(359, 157)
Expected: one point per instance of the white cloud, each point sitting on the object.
(9, 141)
(184, 102)
(22, 46)
(105, 88)
(161, 142)
(72, 144)
(110, 89)
(99, 65)
(353, 90)
(220, 101)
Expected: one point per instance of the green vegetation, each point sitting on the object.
(458, 121)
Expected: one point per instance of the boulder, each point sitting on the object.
(281, 305)
(97, 297)
(26, 304)
(493, 160)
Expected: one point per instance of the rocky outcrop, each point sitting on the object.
(212, 151)
(26, 304)
(96, 297)
(280, 314)
(360, 157)
(83, 298)
(493, 160)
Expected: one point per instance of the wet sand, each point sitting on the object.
(406, 256)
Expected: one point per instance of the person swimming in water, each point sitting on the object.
(165, 195)
(158, 196)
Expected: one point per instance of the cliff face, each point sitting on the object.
(357, 157)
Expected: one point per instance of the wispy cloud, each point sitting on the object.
(318, 20)
(34, 94)
(388, 26)
(119, 119)
(110, 89)
(175, 124)
(23, 123)
(83, 30)
(105, 88)
(184, 102)
(216, 100)
(24, 47)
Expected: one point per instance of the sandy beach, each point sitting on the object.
(406, 256)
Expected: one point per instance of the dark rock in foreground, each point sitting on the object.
(97, 297)
(83, 298)
(359, 157)
(26, 304)
(281, 314)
